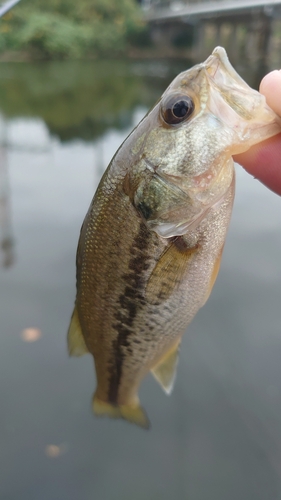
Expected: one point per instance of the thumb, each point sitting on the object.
(270, 87)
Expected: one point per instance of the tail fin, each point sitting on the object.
(132, 413)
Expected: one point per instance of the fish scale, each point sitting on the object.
(150, 246)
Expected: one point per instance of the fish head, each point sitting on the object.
(205, 116)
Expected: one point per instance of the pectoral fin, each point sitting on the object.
(214, 274)
(168, 272)
(75, 340)
(165, 370)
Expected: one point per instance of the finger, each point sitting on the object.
(271, 87)
(263, 161)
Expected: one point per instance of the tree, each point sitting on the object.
(68, 28)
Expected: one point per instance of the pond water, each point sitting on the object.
(218, 436)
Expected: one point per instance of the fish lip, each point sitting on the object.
(259, 123)
(219, 60)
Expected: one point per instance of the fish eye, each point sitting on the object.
(175, 109)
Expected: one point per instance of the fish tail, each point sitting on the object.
(133, 413)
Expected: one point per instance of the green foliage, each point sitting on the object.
(52, 35)
(82, 99)
(71, 28)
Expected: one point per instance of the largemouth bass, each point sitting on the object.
(151, 243)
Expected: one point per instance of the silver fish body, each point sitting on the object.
(151, 242)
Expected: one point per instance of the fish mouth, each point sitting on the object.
(238, 106)
(221, 70)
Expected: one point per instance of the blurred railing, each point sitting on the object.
(6, 6)
(169, 3)
(172, 9)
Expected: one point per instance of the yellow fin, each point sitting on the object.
(75, 340)
(132, 413)
(168, 272)
(166, 369)
(214, 274)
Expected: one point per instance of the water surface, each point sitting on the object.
(218, 435)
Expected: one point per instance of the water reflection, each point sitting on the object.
(219, 435)
(55, 451)
(31, 334)
(6, 232)
(74, 99)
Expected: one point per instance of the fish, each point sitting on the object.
(151, 243)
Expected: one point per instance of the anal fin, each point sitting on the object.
(75, 340)
(166, 369)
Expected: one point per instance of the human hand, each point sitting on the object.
(263, 160)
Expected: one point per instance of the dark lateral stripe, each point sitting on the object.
(129, 304)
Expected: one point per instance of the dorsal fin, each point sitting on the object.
(166, 369)
(75, 340)
(168, 272)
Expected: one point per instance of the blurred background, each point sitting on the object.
(75, 78)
